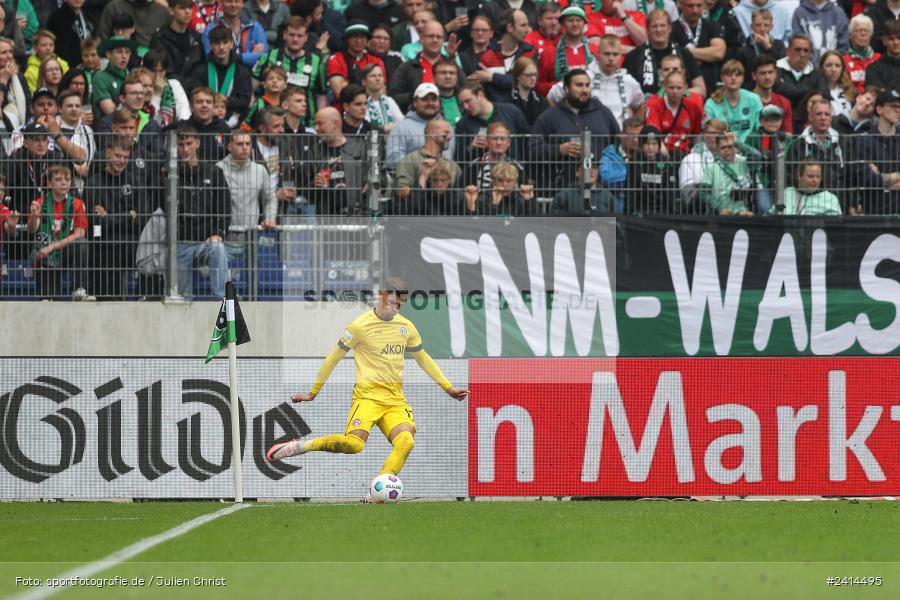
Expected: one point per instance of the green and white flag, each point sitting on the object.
(230, 325)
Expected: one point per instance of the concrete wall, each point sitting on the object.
(291, 329)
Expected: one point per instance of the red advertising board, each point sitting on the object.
(684, 427)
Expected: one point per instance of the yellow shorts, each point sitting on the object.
(365, 413)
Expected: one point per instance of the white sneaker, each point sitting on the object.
(284, 450)
(368, 499)
(81, 295)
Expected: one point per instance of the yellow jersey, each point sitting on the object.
(379, 347)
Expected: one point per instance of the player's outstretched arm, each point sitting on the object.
(427, 364)
(324, 373)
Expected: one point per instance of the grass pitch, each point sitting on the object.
(498, 550)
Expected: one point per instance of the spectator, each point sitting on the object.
(133, 98)
(57, 219)
(730, 187)
(759, 42)
(643, 62)
(495, 9)
(123, 26)
(446, 78)
(471, 130)
(506, 198)
(203, 211)
(419, 70)
(721, 13)
(546, 34)
(825, 23)
(765, 74)
(50, 75)
(436, 197)
(355, 102)
(71, 28)
(44, 109)
(380, 46)
(861, 113)
(807, 198)
(797, 75)
(648, 7)
(629, 26)
(879, 157)
(373, 12)
(882, 13)
(220, 106)
(482, 32)
(613, 86)
(409, 134)
(437, 139)
(182, 45)
(9, 29)
(404, 31)
(107, 83)
(44, 48)
(75, 131)
(224, 74)
(89, 67)
(76, 80)
(419, 21)
(147, 17)
(337, 167)
(303, 64)
(247, 36)
(837, 79)
(274, 80)
(211, 129)
(346, 66)
(885, 72)
(326, 25)
(478, 171)
(703, 39)
(27, 167)
(9, 219)
(572, 51)
(253, 201)
(778, 11)
(167, 101)
(570, 202)
(677, 114)
(523, 94)
(270, 14)
(617, 159)
(764, 149)
(731, 103)
(293, 101)
(696, 162)
(820, 142)
(653, 181)
(556, 136)
(496, 63)
(114, 199)
(860, 55)
(381, 110)
(279, 154)
(14, 92)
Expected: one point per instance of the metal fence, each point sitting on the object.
(297, 216)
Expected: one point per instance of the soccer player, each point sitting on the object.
(379, 339)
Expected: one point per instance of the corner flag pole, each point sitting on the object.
(233, 388)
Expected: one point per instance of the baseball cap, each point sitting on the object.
(35, 128)
(42, 92)
(357, 27)
(572, 11)
(770, 110)
(426, 88)
(886, 97)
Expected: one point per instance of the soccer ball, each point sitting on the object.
(386, 488)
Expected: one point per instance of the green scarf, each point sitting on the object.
(45, 235)
(212, 75)
(561, 63)
(862, 54)
(167, 105)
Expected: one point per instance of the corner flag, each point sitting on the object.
(230, 325)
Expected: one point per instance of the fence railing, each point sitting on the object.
(296, 216)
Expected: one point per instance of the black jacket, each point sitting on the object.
(532, 106)
(883, 151)
(880, 14)
(203, 206)
(63, 23)
(185, 50)
(468, 127)
(884, 73)
(241, 91)
(118, 194)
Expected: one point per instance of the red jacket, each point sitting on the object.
(547, 65)
(679, 132)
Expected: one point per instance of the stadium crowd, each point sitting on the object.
(480, 108)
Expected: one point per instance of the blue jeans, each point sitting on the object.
(212, 254)
(764, 201)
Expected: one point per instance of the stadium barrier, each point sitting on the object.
(304, 221)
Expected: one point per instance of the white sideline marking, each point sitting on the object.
(126, 553)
